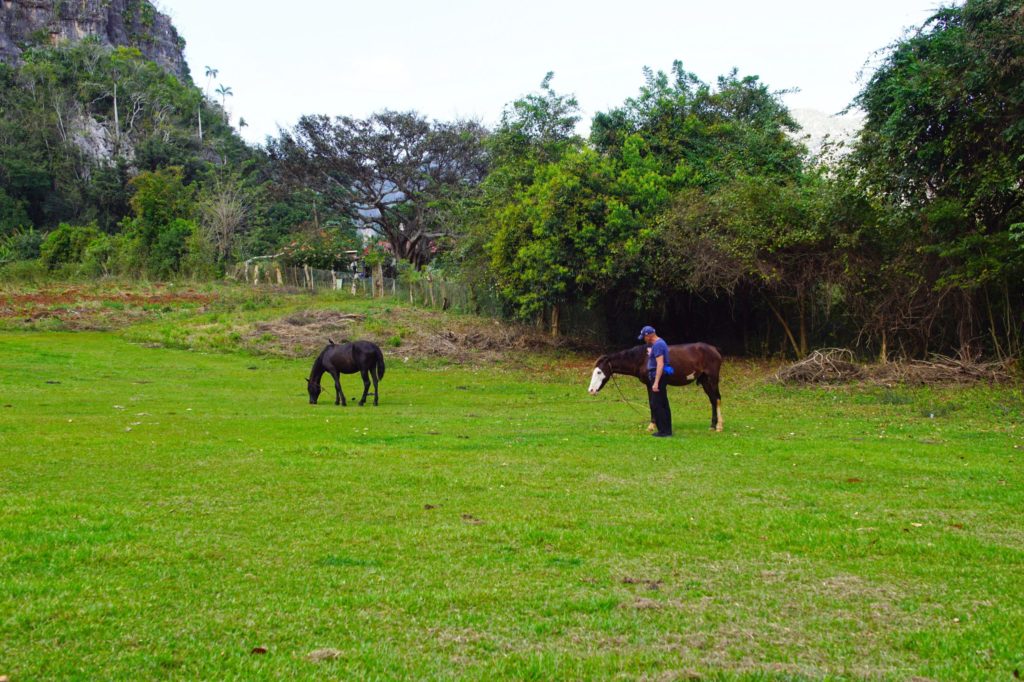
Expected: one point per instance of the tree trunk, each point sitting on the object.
(966, 327)
(555, 321)
(117, 126)
(785, 327)
(803, 327)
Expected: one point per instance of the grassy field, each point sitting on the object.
(167, 513)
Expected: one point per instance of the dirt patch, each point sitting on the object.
(85, 309)
(653, 585)
(645, 604)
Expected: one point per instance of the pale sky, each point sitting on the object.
(465, 59)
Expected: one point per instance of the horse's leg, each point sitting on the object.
(373, 375)
(339, 395)
(366, 387)
(710, 386)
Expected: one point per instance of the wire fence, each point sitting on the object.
(422, 289)
(425, 290)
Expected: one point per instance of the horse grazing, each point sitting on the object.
(690, 362)
(347, 358)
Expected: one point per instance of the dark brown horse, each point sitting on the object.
(346, 358)
(690, 362)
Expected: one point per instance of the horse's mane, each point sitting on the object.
(626, 353)
(319, 362)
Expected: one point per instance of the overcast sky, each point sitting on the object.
(465, 59)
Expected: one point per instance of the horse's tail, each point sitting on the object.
(380, 364)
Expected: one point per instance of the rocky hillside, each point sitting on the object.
(132, 23)
(817, 126)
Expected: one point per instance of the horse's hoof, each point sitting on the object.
(719, 429)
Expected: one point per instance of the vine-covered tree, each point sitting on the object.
(943, 149)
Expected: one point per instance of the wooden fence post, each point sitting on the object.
(378, 281)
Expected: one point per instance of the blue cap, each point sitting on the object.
(644, 332)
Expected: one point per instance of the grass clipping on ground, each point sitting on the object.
(414, 334)
(839, 366)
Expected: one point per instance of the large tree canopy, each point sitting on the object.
(389, 171)
(943, 149)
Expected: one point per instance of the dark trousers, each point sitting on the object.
(661, 413)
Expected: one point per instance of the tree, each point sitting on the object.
(705, 136)
(162, 221)
(943, 149)
(759, 236)
(224, 92)
(386, 171)
(225, 204)
(211, 74)
(576, 232)
(719, 196)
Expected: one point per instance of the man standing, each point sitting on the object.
(657, 392)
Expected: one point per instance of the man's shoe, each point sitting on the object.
(659, 434)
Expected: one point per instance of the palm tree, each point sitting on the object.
(211, 73)
(224, 92)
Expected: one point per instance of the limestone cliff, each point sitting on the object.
(132, 23)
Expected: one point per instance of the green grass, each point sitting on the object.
(163, 513)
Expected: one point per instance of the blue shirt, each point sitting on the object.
(658, 349)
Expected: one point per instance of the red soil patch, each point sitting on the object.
(84, 308)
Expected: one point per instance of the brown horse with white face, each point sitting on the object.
(698, 363)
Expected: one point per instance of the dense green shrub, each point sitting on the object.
(200, 257)
(67, 244)
(325, 249)
(100, 256)
(24, 271)
(22, 244)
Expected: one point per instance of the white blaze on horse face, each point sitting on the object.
(596, 379)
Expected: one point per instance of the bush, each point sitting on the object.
(66, 244)
(25, 271)
(326, 250)
(200, 260)
(20, 245)
(100, 257)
